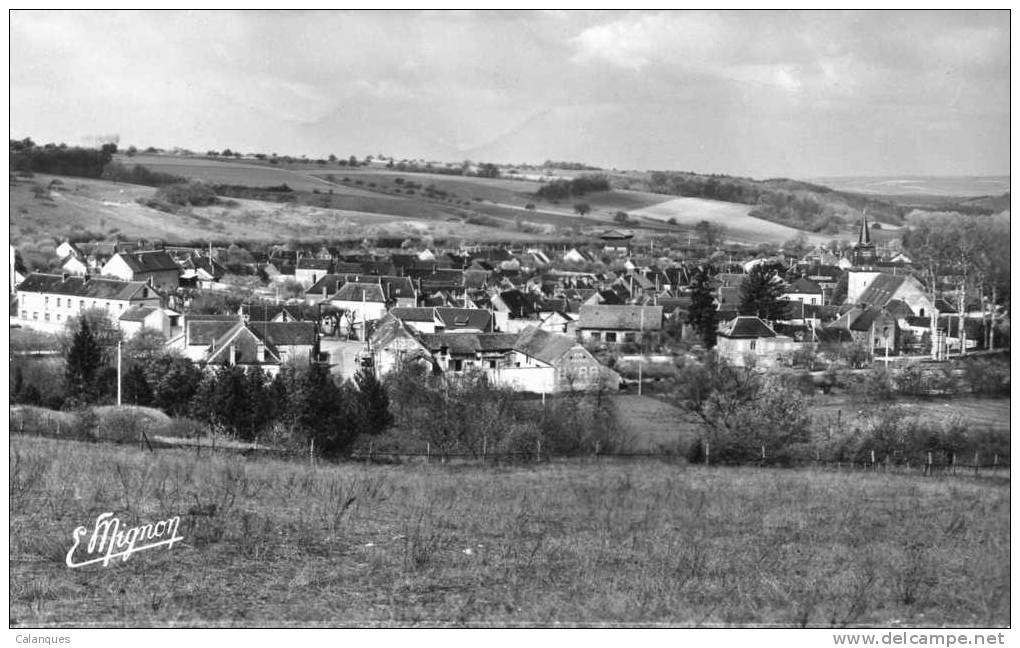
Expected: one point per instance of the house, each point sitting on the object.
(134, 320)
(74, 265)
(203, 271)
(616, 241)
(67, 249)
(153, 266)
(267, 345)
(573, 255)
(445, 320)
(47, 301)
(536, 352)
(872, 326)
(362, 302)
(309, 269)
(804, 290)
(877, 289)
(747, 340)
(617, 323)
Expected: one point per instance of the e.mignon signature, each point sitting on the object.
(110, 539)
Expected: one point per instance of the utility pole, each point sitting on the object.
(641, 358)
(118, 375)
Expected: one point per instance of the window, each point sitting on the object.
(596, 335)
(458, 365)
(122, 305)
(610, 337)
(492, 364)
(58, 302)
(81, 305)
(46, 316)
(630, 337)
(35, 316)
(58, 317)
(46, 301)
(24, 314)
(754, 343)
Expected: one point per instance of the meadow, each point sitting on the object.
(740, 226)
(270, 542)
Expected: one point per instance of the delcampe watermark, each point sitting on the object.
(111, 540)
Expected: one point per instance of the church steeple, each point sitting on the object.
(864, 252)
(865, 236)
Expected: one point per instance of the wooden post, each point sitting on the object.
(596, 447)
(763, 453)
(538, 457)
(928, 468)
(995, 460)
(428, 452)
(484, 448)
(872, 459)
(371, 452)
(311, 452)
(975, 463)
(954, 461)
(706, 452)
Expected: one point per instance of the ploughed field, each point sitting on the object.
(270, 542)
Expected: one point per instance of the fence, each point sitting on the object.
(929, 464)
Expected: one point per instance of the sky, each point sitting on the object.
(762, 94)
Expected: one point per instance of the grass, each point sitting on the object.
(274, 543)
(740, 226)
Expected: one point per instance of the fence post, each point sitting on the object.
(371, 452)
(311, 452)
(706, 453)
(597, 449)
(975, 463)
(954, 463)
(995, 460)
(763, 454)
(928, 468)
(428, 452)
(872, 459)
(538, 456)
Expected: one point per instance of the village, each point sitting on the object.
(533, 318)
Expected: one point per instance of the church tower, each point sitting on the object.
(864, 251)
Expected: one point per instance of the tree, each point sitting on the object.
(488, 170)
(710, 234)
(136, 387)
(84, 361)
(621, 217)
(703, 313)
(372, 404)
(322, 411)
(761, 291)
(175, 381)
(582, 209)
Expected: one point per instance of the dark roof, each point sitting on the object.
(285, 333)
(465, 318)
(469, 343)
(137, 314)
(357, 291)
(620, 317)
(746, 326)
(149, 261)
(881, 289)
(205, 332)
(311, 263)
(520, 304)
(804, 286)
(93, 288)
(544, 345)
(414, 314)
(899, 308)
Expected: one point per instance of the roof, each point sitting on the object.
(205, 332)
(149, 261)
(469, 343)
(465, 318)
(414, 314)
(311, 263)
(620, 317)
(93, 288)
(356, 291)
(881, 289)
(615, 234)
(543, 345)
(804, 286)
(137, 314)
(899, 309)
(746, 326)
(285, 333)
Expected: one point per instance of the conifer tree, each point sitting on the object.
(702, 316)
(84, 360)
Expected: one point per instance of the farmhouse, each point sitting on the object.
(614, 324)
(154, 266)
(877, 289)
(747, 339)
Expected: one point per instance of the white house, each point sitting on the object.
(156, 266)
(46, 302)
(747, 338)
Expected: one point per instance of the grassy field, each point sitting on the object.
(734, 217)
(641, 543)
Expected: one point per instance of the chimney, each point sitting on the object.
(86, 278)
(233, 354)
(63, 276)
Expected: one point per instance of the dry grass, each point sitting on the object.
(274, 543)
